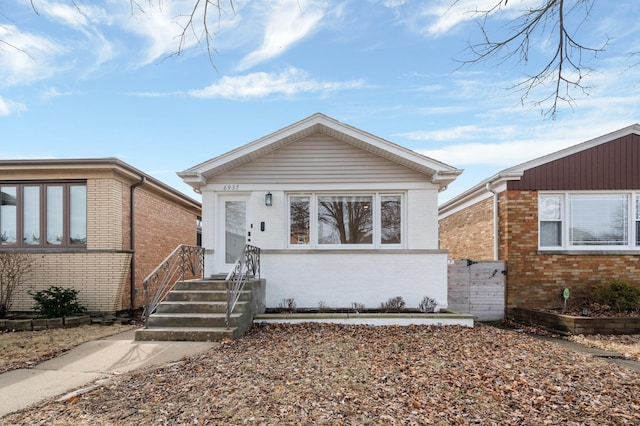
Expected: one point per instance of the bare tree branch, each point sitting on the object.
(564, 70)
(199, 17)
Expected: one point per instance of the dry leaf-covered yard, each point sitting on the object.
(333, 374)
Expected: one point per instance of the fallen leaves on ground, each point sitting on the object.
(24, 349)
(327, 374)
(628, 346)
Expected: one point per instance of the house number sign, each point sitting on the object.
(231, 187)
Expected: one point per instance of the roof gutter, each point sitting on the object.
(132, 242)
(495, 220)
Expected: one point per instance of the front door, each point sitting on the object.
(234, 214)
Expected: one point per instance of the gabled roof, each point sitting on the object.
(498, 181)
(441, 174)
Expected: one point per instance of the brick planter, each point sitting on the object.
(576, 324)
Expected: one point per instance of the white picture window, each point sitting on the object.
(587, 221)
(341, 220)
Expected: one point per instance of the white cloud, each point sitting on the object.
(64, 13)
(438, 18)
(26, 57)
(286, 22)
(8, 107)
(508, 146)
(161, 26)
(261, 84)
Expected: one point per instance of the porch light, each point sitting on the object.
(268, 199)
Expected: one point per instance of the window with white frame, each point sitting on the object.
(588, 221)
(355, 220)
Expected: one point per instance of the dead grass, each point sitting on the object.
(323, 374)
(24, 349)
(627, 346)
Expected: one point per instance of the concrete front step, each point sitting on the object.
(158, 320)
(176, 307)
(195, 310)
(186, 334)
(203, 296)
(201, 285)
(211, 285)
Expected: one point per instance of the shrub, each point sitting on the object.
(427, 305)
(56, 302)
(620, 295)
(14, 269)
(322, 306)
(394, 304)
(287, 305)
(358, 307)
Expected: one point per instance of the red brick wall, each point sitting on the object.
(537, 279)
(160, 226)
(468, 234)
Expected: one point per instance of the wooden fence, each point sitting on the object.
(477, 288)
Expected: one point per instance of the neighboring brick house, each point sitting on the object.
(75, 217)
(568, 219)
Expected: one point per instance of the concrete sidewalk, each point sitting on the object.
(89, 364)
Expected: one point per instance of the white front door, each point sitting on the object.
(233, 229)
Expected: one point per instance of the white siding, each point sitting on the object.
(320, 158)
(208, 231)
(342, 279)
(422, 218)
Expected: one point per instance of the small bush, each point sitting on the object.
(394, 304)
(620, 296)
(287, 305)
(57, 302)
(358, 307)
(428, 305)
(14, 269)
(322, 306)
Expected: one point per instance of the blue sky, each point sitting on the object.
(98, 79)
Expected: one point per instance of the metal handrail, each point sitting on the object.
(245, 267)
(172, 269)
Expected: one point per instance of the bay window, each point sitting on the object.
(52, 214)
(340, 220)
(588, 221)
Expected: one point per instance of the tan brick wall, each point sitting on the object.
(104, 214)
(537, 279)
(100, 278)
(160, 227)
(468, 234)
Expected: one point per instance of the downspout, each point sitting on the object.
(495, 220)
(132, 243)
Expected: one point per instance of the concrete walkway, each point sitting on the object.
(90, 364)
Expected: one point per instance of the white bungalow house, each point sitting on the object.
(341, 216)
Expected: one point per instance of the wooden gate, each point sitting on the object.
(477, 288)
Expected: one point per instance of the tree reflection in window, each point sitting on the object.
(390, 218)
(345, 220)
(299, 211)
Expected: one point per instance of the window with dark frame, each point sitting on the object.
(43, 214)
